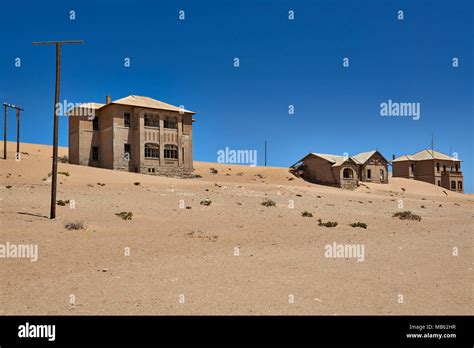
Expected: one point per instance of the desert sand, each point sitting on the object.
(169, 259)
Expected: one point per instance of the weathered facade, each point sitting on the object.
(136, 134)
(430, 166)
(343, 171)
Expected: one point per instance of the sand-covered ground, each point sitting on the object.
(234, 256)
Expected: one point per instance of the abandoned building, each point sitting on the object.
(430, 166)
(342, 171)
(136, 134)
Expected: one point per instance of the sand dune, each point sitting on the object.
(176, 248)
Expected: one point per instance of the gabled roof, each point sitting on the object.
(328, 157)
(337, 160)
(362, 157)
(425, 154)
(147, 102)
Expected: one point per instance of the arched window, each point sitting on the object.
(152, 150)
(460, 185)
(453, 185)
(348, 173)
(171, 151)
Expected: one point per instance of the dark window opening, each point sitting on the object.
(95, 123)
(460, 185)
(171, 151)
(126, 119)
(412, 166)
(95, 153)
(369, 174)
(444, 168)
(152, 121)
(382, 175)
(457, 167)
(347, 173)
(127, 150)
(437, 167)
(171, 123)
(152, 150)
(453, 185)
(439, 183)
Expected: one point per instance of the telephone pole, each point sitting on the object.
(54, 172)
(18, 110)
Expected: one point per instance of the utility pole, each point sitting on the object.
(54, 172)
(18, 133)
(5, 132)
(18, 110)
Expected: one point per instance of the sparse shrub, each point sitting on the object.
(327, 224)
(359, 224)
(407, 215)
(240, 174)
(298, 195)
(64, 173)
(62, 203)
(306, 214)
(9, 186)
(136, 183)
(213, 170)
(268, 203)
(100, 184)
(74, 225)
(206, 202)
(125, 215)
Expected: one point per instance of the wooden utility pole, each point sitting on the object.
(18, 133)
(54, 172)
(18, 110)
(5, 132)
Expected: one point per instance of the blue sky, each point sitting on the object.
(282, 62)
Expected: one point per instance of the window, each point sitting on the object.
(126, 119)
(369, 174)
(444, 168)
(437, 167)
(152, 150)
(127, 151)
(182, 154)
(95, 123)
(347, 173)
(460, 185)
(439, 183)
(95, 153)
(170, 122)
(171, 151)
(152, 121)
(412, 167)
(382, 175)
(151, 170)
(457, 167)
(453, 185)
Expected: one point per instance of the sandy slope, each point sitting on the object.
(190, 252)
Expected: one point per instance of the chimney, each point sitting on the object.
(107, 99)
(393, 157)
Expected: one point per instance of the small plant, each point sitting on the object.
(100, 184)
(125, 215)
(206, 202)
(9, 186)
(359, 224)
(407, 215)
(306, 214)
(62, 203)
(74, 225)
(268, 203)
(64, 173)
(136, 183)
(327, 224)
(213, 170)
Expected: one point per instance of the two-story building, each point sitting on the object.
(430, 166)
(136, 134)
